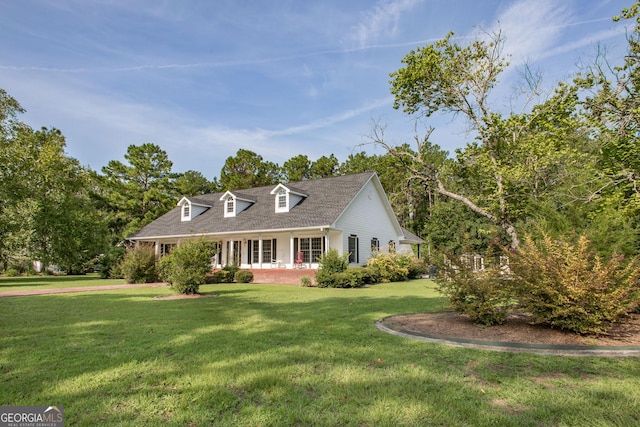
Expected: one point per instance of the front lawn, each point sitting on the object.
(275, 355)
(53, 282)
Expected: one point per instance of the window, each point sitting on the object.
(282, 199)
(353, 249)
(186, 211)
(311, 247)
(166, 248)
(230, 205)
(375, 244)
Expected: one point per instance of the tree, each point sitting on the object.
(193, 183)
(324, 167)
(140, 191)
(510, 157)
(246, 170)
(297, 168)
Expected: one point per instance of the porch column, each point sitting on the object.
(260, 251)
(291, 249)
(157, 248)
(231, 252)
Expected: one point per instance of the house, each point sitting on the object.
(284, 225)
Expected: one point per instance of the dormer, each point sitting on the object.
(286, 198)
(234, 203)
(191, 208)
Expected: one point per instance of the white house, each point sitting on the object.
(285, 225)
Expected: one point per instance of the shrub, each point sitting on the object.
(485, 296)
(243, 276)
(12, 272)
(220, 276)
(110, 263)
(330, 263)
(567, 286)
(139, 265)
(389, 267)
(305, 281)
(187, 266)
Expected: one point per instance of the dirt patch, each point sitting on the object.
(185, 296)
(517, 329)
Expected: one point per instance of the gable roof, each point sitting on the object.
(327, 200)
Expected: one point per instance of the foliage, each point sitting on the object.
(330, 263)
(187, 266)
(110, 263)
(485, 296)
(139, 191)
(139, 265)
(568, 286)
(305, 281)
(390, 266)
(243, 276)
(246, 170)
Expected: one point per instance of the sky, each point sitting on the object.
(204, 78)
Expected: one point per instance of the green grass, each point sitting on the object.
(53, 282)
(273, 355)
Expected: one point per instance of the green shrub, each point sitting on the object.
(220, 276)
(390, 267)
(567, 286)
(187, 266)
(12, 272)
(330, 263)
(139, 265)
(109, 263)
(485, 296)
(243, 276)
(305, 281)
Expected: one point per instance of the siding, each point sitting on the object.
(366, 217)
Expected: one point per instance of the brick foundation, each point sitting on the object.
(282, 275)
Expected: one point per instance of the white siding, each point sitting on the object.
(366, 217)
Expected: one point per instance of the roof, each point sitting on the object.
(326, 200)
(410, 238)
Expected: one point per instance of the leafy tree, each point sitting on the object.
(193, 183)
(324, 167)
(297, 168)
(141, 190)
(512, 159)
(246, 170)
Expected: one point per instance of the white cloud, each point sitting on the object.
(381, 21)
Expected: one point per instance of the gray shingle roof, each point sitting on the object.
(327, 199)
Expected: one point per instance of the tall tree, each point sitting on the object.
(193, 183)
(140, 190)
(324, 167)
(246, 170)
(486, 177)
(297, 168)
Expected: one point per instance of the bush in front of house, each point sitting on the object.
(186, 268)
(139, 265)
(110, 263)
(390, 266)
(226, 275)
(305, 282)
(330, 264)
(243, 276)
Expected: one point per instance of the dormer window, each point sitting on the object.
(234, 203)
(191, 208)
(286, 198)
(282, 199)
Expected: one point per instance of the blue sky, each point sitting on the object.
(202, 79)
